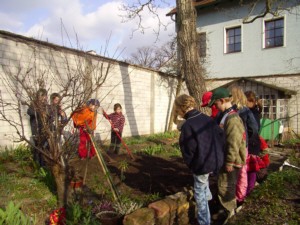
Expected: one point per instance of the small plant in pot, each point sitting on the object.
(112, 213)
(106, 213)
(76, 181)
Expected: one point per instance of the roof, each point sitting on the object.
(284, 90)
(199, 3)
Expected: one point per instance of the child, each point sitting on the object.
(117, 121)
(57, 115)
(38, 114)
(255, 105)
(254, 144)
(235, 151)
(246, 180)
(264, 162)
(85, 119)
(205, 100)
(201, 144)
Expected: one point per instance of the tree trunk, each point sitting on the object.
(191, 69)
(61, 184)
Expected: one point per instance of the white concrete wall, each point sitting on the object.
(253, 60)
(146, 95)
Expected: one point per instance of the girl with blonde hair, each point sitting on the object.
(245, 180)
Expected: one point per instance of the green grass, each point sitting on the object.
(274, 186)
(165, 135)
(135, 140)
(21, 183)
(294, 158)
(292, 142)
(153, 150)
(268, 203)
(142, 139)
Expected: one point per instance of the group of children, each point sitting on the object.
(227, 143)
(44, 119)
(47, 118)
(238, 144)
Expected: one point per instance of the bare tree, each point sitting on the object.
(144, 56)
(162, 58)
(76, 78)
(190, 68)
(273, 7)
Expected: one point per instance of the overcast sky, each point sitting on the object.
(91, 22)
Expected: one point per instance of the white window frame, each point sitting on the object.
(284, 31)
(225, 38)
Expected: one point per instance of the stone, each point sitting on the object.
(143, 216)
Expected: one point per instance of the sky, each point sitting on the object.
(86, 24)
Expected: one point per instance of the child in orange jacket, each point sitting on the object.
(85, 119)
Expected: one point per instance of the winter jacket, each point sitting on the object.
(83, 117)
(202, 143)
(35, 114)
(117, 120)
(253, 140)
(235, 140)
(249, 121)
(257, 114)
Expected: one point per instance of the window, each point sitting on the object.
(202, 44)
(233, 40)
(274, 33)
(269, 106)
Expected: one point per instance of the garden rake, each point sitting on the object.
(105, 169)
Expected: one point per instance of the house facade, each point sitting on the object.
(265, 50)
(262, 55)
(268, 46)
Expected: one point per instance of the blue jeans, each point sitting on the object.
(202, 196)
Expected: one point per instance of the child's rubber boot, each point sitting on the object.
(111, 149)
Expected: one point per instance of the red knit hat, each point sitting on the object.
(206, 98)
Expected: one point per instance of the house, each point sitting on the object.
(260, 55)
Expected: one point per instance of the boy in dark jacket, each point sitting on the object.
(201, 143)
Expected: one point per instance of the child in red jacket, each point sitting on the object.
(85, 119)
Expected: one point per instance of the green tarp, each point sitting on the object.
(269, 129)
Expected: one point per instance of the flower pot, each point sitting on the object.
(109, 218)
(76, 183)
